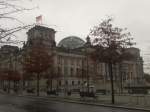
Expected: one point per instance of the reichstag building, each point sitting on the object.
(72, 64)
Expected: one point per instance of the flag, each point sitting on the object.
(39, 19)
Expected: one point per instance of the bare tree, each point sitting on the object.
(37, 60)
(110, 43)
(7, 10)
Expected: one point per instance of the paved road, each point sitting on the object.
(26, 104)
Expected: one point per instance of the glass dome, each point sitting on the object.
(71, 42)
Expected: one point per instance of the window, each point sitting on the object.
(59, 60)
(65, 61)
(77, 71)
(78, 62)
(72, 61)
(65, 71)
(85, 83)
(124, 75)
(72, 82)
(78, 82)
(59, 70)
(131, 75)
(59, 83)
(71, 71)
(66, 82)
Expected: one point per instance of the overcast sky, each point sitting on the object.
(76, 17)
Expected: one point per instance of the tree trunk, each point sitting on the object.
(112, 83)
(3, 84)
(88, 84)
(120, 80)
(14, 84)
(88, 77)
(8, 86)
(121, 84)
(51, 84)
(38, 83)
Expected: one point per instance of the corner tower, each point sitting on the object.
(41, 35)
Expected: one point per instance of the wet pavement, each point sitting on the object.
(10, 103)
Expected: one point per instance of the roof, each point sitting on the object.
(71, 42)
(41, 28)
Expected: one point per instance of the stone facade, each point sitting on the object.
(73, 67)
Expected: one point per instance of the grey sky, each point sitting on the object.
(76, 17)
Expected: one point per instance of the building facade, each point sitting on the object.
(72, 65)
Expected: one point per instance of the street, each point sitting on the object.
(10, 103)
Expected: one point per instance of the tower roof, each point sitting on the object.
(41, 28)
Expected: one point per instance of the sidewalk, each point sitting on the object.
(87, 101)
